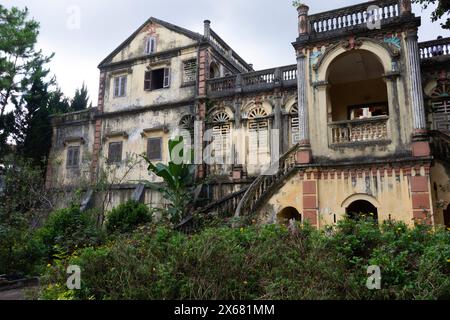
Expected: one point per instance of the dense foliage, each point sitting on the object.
(262, 262)
(127, 217)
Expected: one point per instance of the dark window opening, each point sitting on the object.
(154, 149)
(115, 152)
(73, 157)
(157, 79)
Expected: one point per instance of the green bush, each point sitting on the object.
(265, 262)
(69, 229)
(127, 216)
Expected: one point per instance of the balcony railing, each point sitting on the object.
(434, 48)
(359, 131)
(354, 16)
(254, 81)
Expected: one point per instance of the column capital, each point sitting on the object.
(411, 34)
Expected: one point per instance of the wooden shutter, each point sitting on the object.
(166, 77)
(115, 152)
(148, 81)
(154, 148)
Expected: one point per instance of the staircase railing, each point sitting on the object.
(224, 207)
(440, 144)
(256, 194)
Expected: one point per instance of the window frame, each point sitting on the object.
(120, 86)
(160, 148)
(119, 158)
(149, 49)
(183, 75)
(149, 81)
(70, 161)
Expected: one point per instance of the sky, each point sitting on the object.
(82, 33)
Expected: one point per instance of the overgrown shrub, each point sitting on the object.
(127, 217)
(265, 262)
(69, 229)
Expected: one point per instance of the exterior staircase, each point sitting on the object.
(265, 185)
(246, 200)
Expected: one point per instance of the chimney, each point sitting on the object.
(405, 7)
(207, 31)
(303, 24)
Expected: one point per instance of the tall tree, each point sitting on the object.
(81, 99)
(33, 129)
(18, 59)
(442, 8)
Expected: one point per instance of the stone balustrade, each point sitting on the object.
(254, 81)
(434, 48)
(361, 130)
(354, 16)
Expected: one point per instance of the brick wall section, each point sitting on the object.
(310, 200)
(98, 128)
(203, 68)
(421, 198)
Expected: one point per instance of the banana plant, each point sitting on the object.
(178, 187)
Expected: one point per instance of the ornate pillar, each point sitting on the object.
(420, 144)
(304, 156)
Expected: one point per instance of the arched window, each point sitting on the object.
(150, 45)
(360, 208)
(294, 124)
(221, 134)
(258, 127)
(214, 71)
(187, 126)
(440, 103)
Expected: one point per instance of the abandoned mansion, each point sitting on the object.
(360, 124)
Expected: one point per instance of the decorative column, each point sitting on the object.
(304, 155)
(207, 29)
(405, 7)
(420, 144)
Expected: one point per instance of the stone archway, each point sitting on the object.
(287, 214)
(361, 207)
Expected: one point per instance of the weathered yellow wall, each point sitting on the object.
(440, 183)
(166, 40)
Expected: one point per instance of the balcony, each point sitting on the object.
(359, 132)
(253, 81)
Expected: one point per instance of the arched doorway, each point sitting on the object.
(361, 207)
(287, 214)
(447, 217)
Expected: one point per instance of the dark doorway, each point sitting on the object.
(288, 214)
(362, 207)
(447, 217)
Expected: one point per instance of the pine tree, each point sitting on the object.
(81, 99)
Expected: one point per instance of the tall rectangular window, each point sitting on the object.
(73, 157)
(150, 46)
(189, 71)
(120, 86)
(154, 149)
(157, 79)
(115, 152)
